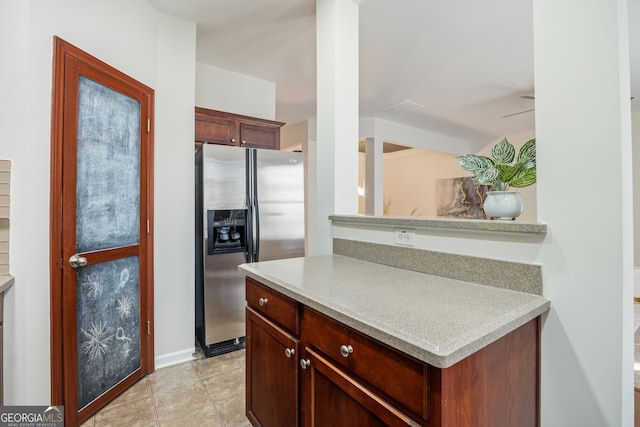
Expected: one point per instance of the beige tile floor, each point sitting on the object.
(203, 392)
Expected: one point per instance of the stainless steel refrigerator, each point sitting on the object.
(249, 207)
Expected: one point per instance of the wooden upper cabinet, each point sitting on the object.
(218, 127)
(215, 130)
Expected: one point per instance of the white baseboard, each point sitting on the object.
(174, 358)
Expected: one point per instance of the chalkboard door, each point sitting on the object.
(101, 310)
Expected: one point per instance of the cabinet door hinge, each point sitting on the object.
(148, 327)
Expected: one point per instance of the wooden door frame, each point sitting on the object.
(62, 50)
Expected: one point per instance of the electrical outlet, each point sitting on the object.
(404, 236)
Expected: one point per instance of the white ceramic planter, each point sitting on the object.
(503, 205)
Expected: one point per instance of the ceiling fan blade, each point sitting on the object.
(521, 112)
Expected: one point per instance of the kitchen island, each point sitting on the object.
(388, 345)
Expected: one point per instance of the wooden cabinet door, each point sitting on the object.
(259, 136)
(272, 373)
(215, 130)
(331, 397)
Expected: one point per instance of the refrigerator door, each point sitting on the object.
(220, 295)
(279, 182)
(224, 177)
(224, 298)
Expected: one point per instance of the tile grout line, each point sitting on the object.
(211, 401)
(237, 362)
(153, 401)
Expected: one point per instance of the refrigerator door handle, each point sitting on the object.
(249, 199)
(256, 204)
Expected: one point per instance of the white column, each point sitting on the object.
(337, 110)
(374, 176)
(583, 129)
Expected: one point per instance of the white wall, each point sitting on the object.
(21, 351)
(223, 90)
(587, 340)
(635, 124)
(174, 195)
(127, 35)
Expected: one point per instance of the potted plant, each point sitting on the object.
(501, 173)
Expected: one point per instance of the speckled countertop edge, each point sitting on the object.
(6, 281)
(437, 320)
(525, 227)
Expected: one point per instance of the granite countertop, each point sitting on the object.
(481, 225)
(434, 319)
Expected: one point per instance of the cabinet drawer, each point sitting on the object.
(273, 305)
(397, 375)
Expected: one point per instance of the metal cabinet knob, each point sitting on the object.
(304, 363)
(346, 350)
(244, 142)
(233, 140)
(263, 301)
(77, 261)
(289, 352)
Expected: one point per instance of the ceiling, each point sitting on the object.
(466, 64)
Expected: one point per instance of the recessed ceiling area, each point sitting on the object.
(469, 67)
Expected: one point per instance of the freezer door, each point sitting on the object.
(280, 204)
(224, 177)
(224, 298)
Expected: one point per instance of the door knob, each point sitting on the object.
(77, 261)
(289, 352)
(304, 363)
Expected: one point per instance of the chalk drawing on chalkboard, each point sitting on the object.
(121, 336)
(126, 349)
(93, 284)
(98, 342)
(108, 326)
(124, 278)
(126, 346)
(125, 305)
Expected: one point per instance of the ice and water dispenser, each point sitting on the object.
(227, 231)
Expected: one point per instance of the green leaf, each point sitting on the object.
(473, 163)
(503, 153)
(507, 172)
(524, 178)
(486, 176)
(527, 154)
(482, 167)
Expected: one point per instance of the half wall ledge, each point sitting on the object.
(524, 227)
